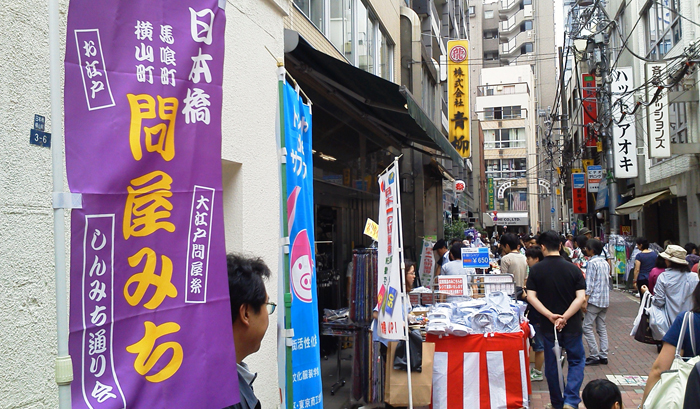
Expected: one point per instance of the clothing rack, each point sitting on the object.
(367, 384)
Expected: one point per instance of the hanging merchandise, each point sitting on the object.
(306, 357)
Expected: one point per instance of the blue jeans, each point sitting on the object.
(575, 356)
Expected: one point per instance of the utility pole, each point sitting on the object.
(564, 119)
(608, 133)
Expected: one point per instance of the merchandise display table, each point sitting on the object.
(492, 369)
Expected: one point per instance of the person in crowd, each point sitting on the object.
(455, 266)
(670, 341)
(692, 389)
(586, 232)
(570, 242)
(512, 262)
(568, 251)
(442, 255)
(692, 258)
(579, 256)
(602, 394)
(674, 287)
(597, 302)
(410, 269)
(643, 263)
(530, 241)
(452, 243)
(557, 290)
(695, 268)
(533, 256)
(655, 272)
(250, 311)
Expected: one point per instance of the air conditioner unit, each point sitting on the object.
(499, 88)
(529, 34)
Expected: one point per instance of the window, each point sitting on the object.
(504, 138)
(472, 12)
(512, 112)
(506, 168)
(526, 25)
(490, 34)
(490, 56)
(428, 93)
(526, 48)
(678, 120)
(313, 9)
(385, 57)
(340, 27)
(488, 13)
(663, 27)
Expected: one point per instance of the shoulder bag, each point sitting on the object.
(669, 391)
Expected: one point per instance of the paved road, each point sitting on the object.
(626, 356)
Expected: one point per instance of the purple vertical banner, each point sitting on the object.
(150, 320)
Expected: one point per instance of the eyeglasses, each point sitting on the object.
(270, 307)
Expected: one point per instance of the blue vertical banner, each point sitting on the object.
(306, 355)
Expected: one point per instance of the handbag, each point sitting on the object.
(658, 322)
(641, 330)
(669, 391)
(396, 381)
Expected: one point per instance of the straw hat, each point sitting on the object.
(675, 253)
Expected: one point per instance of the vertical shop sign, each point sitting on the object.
(657, 114)
(148, 261)
(427, 263)
(590, 108)
(306, 361)
(580, 201)
(490, 189)
(624, 131)
(389, 252)
(458, 96)
(595, 174)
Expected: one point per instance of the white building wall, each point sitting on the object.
(250, 175)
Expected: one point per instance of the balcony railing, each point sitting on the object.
(508, 4)
(506, 174)
(505, 144)
(502, 89)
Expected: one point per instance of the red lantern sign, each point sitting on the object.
(460, 186)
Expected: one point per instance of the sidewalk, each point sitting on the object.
(626, 356)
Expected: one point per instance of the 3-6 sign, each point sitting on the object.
(475, 257)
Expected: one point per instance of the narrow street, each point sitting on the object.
(627, 357)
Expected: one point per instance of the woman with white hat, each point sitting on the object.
(675, 286)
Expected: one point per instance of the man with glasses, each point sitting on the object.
(250, 310)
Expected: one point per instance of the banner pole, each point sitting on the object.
(64, 367)
(404, 296)
(281, 73)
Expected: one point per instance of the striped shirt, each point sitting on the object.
(597, 282)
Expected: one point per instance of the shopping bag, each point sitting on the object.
(641, 330)
(669, 391)
(658, 322)
(396, 382)
(415, 340)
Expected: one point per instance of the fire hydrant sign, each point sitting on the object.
(150, 317)
(475, 257)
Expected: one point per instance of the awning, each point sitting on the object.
(638, 203)
(379, 103)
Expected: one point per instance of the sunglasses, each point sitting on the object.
(270, 307)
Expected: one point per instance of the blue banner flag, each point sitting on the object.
(306, 355)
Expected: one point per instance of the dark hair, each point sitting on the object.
(643, 242)
(534, 252)
(696, 298)
(527, 239)
(581, 241)
(564, 254)
(595, 245)
(683, 268)
(601, 394)
(549, 240)
(440, 244)
(245, 282)
(456, 250)
(455, 240)
(660, 262)
(511, 240)
(408, 264)
(689, 247)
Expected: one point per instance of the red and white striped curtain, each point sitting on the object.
(489, 371)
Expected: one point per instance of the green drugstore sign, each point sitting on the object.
(490, 189)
